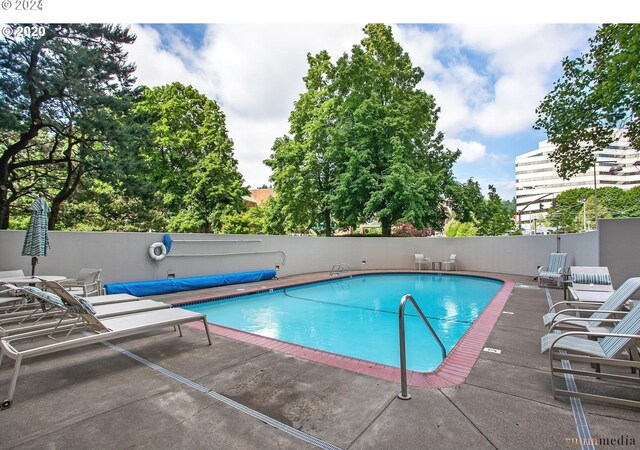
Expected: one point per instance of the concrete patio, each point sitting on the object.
(99, 397)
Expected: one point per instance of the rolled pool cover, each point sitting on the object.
(156, 287)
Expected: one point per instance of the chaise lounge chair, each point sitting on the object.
(553, 272)
(612, 306)
(58, 311)
(579, 347)
(591, 284)
(101, 330)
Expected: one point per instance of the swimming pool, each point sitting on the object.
(358, 316)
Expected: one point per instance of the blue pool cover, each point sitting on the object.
(156, 287)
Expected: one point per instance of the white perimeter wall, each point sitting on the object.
(124, 256)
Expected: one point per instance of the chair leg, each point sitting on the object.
(12, 388)
(206, 329)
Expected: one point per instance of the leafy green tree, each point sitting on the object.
(568, 205)
(396, 167)
(465, 198)
(493, 218)
(190, 158)
(510, 206)
(455, 228)
(596, 100)
(632, 205)
(68, 85)
(100, 206)
(305, 166)
(275, 220)
(251, 221)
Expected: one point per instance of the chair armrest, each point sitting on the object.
(591, 334)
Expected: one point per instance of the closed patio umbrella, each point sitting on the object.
(36, 240)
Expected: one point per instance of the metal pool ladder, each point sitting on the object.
(339, 269)
(404, 395)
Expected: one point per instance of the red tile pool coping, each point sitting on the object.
(451, 372)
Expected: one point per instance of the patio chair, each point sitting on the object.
(553, 273)
(585, 278)
(86, 283)
(590, 284)
(62, 312)
(584, 347)
(611, 307)
(100, 330)
(420, 260)
(450, 264)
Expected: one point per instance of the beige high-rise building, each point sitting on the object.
(537, 183)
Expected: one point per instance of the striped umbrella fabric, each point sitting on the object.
(36, 241)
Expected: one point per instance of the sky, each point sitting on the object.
(486, 79)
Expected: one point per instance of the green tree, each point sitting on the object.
(68, 84)
(632, 205)
(493, 218)
(596, 100)
(455, 228)
(396, 167)
(190, 158)
(305, 166)
(100, 206)
(251, 221)
(568, 205)
(464, 199)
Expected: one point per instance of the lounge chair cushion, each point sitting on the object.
(591, 278)
(88, 307)
(39, 295)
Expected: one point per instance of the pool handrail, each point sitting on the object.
(404, 395)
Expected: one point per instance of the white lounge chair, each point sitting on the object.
(101, 330)
(584, 347)
(553, 273)
(590, 284)
(600, 316)
(58, 312)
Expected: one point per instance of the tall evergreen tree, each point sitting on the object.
(69, 84)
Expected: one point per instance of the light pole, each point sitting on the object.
(584, 214)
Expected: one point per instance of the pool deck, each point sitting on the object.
(99, 397)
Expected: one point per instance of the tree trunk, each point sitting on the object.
(70, 185)
(386, 228)
(327, 223)
(4, 217)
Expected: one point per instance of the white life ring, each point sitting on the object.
(153, 254)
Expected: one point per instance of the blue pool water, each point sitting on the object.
(358, 316)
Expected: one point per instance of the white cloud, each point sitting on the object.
(470, 151)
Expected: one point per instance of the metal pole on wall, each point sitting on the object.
(595, 194)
